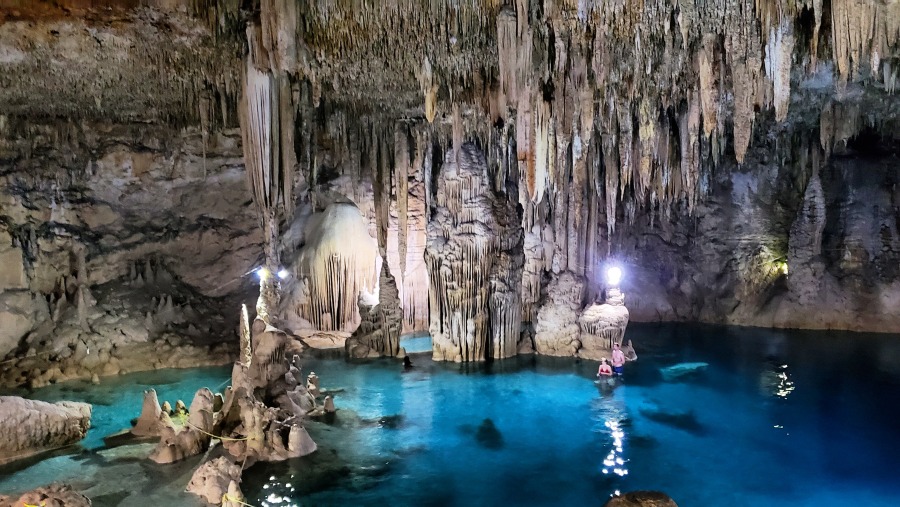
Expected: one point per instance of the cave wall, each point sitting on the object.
(793, 238)
(120, 234)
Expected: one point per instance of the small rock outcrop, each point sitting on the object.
(378, 333)
(212, 479)
(30, 427)
(603, 325)
(54, 495)
(641, 499)
(149, 423)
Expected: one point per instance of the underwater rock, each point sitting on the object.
(390, 422)
(641, 499)
(54, 495)
(213, 478)
(682, 420)
(680, 370)
(29, 426)
(488, 436)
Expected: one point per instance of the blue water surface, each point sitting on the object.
(774, 418)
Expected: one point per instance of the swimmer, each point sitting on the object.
(605, 369)
(618, 359)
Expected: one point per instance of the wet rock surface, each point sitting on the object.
(30, 427)
(54, 495)
(641, 499)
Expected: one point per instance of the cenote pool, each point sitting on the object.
(773, 418)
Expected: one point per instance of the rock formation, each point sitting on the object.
(556, 330)
(54, 495)
(475, 268)
(149, 423)
(379, 331)
(30, 427)
(683, 139)
(211, 481)
(641, 499)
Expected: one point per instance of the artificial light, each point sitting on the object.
(614, 276)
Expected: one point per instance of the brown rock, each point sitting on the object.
(641, 499)
(54, 495)
(29, 427)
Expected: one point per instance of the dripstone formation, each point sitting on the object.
(735, 157)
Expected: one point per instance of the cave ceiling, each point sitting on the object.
(665, 83)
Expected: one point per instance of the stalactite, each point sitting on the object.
(709, 90)
(779, 50)
(626, 145)
(429, 89)
(244, 329)
(689, 129)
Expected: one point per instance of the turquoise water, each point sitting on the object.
(416, 344)
(775, 418)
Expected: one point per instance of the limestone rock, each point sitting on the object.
(338, 263)
(556, 331)
(641, 499)
(212, 479)
(601, 326)
(54, 495)
(379, 331)
(30, 426)
(474, 264)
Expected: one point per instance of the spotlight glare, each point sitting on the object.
(262, 273)
(283, 274)
(614, 276)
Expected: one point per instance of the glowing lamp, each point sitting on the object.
(283, 274)
(262, 273)
(614, 276)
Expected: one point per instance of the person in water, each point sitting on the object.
(407, 363)
(605, 369)
(618, 359)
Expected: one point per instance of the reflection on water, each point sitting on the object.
(277, 499)
(614, 459)
(777, 381)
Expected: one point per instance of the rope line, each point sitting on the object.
(228, 498)
(216, 436)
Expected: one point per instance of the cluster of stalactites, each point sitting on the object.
(662, 93)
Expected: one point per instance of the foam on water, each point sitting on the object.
(775, 418)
